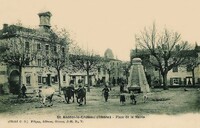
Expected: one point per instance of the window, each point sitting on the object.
(44, 80)
(56, 78)
(189, 68)
(64, 78)
(175, 69)
(53, 79)
(28, 80)
(55, 49)
(39, 79)
(27, 46)
(38, 46)
(63, 50)
(39, 62)
(56, 61)
(2, 72)
(47, 62)
(99, 70)
(104, 71)
(27, 62)
(176, 81)
(47, 47)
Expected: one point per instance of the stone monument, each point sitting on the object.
(137, 79)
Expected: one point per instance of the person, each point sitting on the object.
(121, 87)
(113, 81)
(133, 97)
(106, 93)
(23, 89)
(122, 98)
(80, 92)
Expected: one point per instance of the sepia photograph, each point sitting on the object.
(99, 63)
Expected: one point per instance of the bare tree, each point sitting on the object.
(60, 48)
(85, 61)
(165, 49)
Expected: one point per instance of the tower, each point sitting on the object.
(45, 19)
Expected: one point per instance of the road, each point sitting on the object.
(171, 102)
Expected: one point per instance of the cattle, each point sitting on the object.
(68, 93)
(46, 93)
(80, 95)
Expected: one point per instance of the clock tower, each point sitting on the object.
(45, 19)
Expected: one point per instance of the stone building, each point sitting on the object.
(39, 48)
(110, 69)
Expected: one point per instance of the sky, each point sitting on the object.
(100, 24)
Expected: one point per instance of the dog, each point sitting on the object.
(145, 97)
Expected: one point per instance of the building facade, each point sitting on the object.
(39, 51)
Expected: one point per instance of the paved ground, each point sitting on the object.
(171, 102)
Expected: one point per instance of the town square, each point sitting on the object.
(100, 60)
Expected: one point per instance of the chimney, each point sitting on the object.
(5, 26)
(45, 19)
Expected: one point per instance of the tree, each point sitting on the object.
(126, 67)
(59, 57)
(164, 49)
(85, 62)
(16, 48)
(191, 62)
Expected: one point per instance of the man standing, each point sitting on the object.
(106, 93)
(24, 91)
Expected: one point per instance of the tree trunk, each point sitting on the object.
(164, 75)
(59, 82)
(88, 80)
(109, 77)
(193, 77)
(20, 81)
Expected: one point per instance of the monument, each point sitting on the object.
(137, 79)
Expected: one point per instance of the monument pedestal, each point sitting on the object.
(137, 78)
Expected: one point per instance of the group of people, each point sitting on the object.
(105, 91)
(122, 96)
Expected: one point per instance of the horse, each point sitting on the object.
(46, 93)
(68, 93)
(80, 95)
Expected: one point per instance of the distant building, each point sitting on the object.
(108, 54)
(110, 69)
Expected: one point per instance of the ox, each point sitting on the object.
(80, 95)
(68, 93)
(46, 93)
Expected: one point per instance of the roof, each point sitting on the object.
(80, 74)
(14, 30)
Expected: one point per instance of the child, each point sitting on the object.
(133, 97)
(122, 98)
